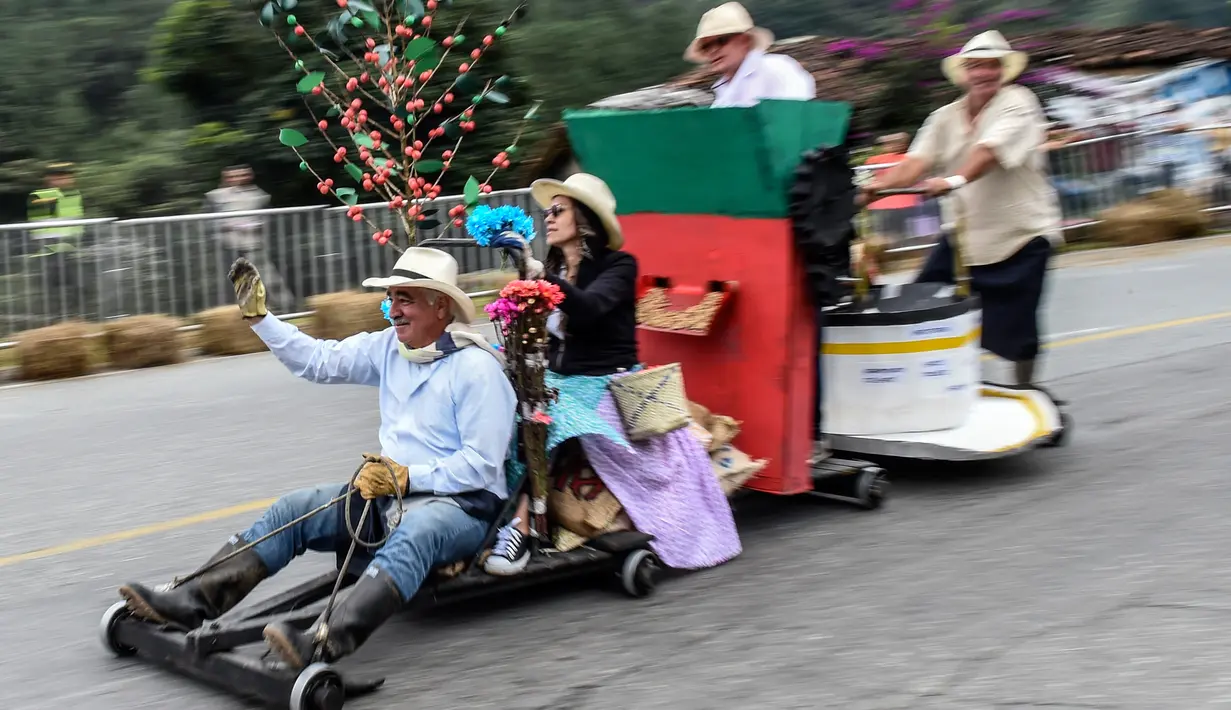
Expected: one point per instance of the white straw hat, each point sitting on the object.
(433, 269)
(988, 45)
(590, 191)
(728, 19)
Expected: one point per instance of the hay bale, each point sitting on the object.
(341, 315)
(224, 332)
(54, 352)
(488, 280)
(1158, 217)
(143, 341)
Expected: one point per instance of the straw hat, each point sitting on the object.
(988, 45)
(728, 19)
(432, 269)
(590, 191)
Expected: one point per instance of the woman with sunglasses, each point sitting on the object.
(666, 485)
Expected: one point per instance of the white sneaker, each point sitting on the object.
(510, 554)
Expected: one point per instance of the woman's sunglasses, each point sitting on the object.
(553, 211)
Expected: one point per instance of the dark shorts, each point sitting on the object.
(1010, 291)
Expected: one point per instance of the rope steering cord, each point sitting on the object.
(352, 529)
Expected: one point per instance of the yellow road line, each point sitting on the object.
(222, 513)
(88, 542)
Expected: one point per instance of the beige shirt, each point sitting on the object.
(1012, 202)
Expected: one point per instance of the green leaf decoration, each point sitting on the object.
(511, 149)
(496, 97)
(291, 138)
(333, 111)
(268, 14)
(430, 166)
(382, 51)
(309, 81)
(468, 84)
(337, 28)
(412, 8)
(363, 140)
(429, 224)
(452, 130)
(503, 82)
(373, 20)
(354, 171)
(348, 195)
(419, 47)
(458, 39)
(360, 6)
(534, 110)
(288, 4)
(430, 211)
(471, 191)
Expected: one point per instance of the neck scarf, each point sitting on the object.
(455, 337)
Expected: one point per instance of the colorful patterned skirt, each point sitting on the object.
(666, 484)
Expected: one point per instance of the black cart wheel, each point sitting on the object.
(639, 574)
(318, 687)
(872, 488)
(106, 629)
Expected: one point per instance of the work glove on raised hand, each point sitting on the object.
(518, 250)
(249, 289)
(374, 479)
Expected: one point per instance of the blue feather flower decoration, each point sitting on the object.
(385, 304)
(485, 224)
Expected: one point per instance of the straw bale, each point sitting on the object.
(225, 332)
(341, 315)
(54, 352)
(143, 341)
(1158, 217)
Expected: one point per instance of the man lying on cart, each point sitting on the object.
(447, 410)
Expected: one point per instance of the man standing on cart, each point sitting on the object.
(729, 42)
(987, 143)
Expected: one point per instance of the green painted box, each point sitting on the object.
(722, 161)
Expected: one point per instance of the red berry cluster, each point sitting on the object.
(399, 80)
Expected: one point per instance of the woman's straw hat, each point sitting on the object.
(590, 191)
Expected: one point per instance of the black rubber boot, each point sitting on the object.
(208, 596)
(372, 600)
(1024, 372)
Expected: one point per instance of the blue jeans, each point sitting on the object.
(430, 535)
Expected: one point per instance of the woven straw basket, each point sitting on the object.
(651, 402)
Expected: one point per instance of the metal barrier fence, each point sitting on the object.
(177, 265)
(1090, 176)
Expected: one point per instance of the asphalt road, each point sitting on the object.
(1079, 577)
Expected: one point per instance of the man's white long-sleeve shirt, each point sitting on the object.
(450, 422)
(764, 76)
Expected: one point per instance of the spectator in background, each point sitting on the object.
(56, 251)
(245, 235)
(730, 43)
(892, 213)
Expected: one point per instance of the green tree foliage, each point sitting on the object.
(152, 98)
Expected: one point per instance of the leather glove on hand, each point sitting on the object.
(249, 289)
(373, 480)
(519, 250)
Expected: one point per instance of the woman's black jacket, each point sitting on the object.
(600, 317)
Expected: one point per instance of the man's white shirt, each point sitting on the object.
(764, 76)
